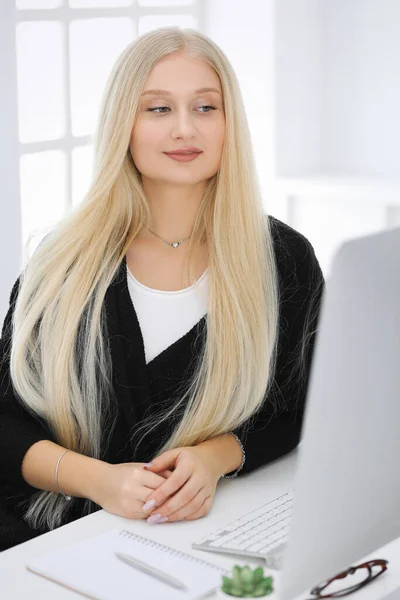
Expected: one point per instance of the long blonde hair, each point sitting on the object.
(59, 316)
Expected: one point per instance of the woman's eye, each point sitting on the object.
(209, 106)
(157, 108)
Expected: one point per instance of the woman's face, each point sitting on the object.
(179, 117)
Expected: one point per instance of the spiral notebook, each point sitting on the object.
(92, 569)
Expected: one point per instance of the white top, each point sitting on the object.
(166, 316)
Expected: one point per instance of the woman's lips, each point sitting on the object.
(183, 157)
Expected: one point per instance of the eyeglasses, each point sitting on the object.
(373, 568)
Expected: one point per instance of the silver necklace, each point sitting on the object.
(173, 244)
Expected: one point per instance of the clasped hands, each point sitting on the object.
(179, 485)
(188, 492)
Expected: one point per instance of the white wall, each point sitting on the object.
(298, 86)
(337, 90)
(361, 92)
(10, 214)
(245, 32)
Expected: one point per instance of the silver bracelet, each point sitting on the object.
(58, 487)
(240, 467)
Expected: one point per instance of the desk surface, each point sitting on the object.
(233, 499)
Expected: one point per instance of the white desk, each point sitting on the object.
(233, 498)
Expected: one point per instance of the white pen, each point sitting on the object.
(141, 566)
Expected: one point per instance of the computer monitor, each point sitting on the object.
(347, 484)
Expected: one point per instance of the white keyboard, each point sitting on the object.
(261, 533)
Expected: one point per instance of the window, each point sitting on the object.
(64, 53)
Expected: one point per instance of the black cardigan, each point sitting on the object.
(139, 386)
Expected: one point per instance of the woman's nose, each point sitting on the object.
(183, 122)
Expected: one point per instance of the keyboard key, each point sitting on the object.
(256, 547)
(231, 527)
(233, 546)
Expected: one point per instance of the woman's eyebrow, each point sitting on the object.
(167, 93)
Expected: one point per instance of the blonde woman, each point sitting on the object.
(166, 317)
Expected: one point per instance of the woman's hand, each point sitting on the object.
(189, 492)
(125, 487)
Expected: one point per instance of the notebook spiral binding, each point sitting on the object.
(134, 536)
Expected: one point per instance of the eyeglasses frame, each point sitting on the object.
(380, 562)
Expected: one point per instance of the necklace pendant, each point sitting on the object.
(175, 244)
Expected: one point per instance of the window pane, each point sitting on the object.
(98, 3)
(95, 45)
(43, 191)
(154, 21)
(165, 2)
(82, 165)
(40, 73)
(29, 4)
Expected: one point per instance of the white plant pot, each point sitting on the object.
(223, 596)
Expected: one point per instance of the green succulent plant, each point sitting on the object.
(246, 583)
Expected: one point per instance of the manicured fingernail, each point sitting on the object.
(148, 464)
(149, 504)
(157, 518)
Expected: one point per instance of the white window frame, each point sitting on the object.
(11, 149)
